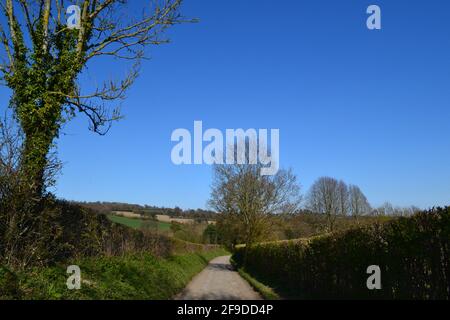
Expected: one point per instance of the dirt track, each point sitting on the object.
(218, 281)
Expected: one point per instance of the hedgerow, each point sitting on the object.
(70, 231)
(412, 253)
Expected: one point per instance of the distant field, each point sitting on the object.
(136, 223)
(127, 214)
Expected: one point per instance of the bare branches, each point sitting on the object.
(331, 197)
(93, 105)
(96, 10)
(11, 20)
(6, 68)
(324, 198)
(240, 192)
(10, 146)
(108, 28)
(128, 41)
(358, 202)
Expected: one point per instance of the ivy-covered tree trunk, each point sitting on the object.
(37, 145)
(39, 114)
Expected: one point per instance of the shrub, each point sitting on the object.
(9, 286)
(413, 254)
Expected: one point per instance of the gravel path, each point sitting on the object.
(218, 281)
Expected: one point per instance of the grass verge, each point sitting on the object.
(131, 277)
(267, 292)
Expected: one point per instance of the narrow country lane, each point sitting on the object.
(218, 281)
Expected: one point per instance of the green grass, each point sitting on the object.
(140, 277)
(137, 223)
(267, 292)
(164, 225)
(129, 222)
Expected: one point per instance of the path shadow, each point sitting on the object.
(221, 266)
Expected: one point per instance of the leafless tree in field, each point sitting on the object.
(323, 198)
(343, 198)
(385, 209)
(358, 202)
(240, 192)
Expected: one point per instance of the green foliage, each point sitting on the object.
(192, 232)
(307, 224)
(133, 276)
(132, 223)
(413, 254)
(230, 230)
(210, 234)
(175, 227)
(9, 286)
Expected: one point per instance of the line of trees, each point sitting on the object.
(331, 197)
(252, 207)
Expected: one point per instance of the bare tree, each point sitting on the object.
(43, 60)
(243, 194)
(343, 198)
(405, 211)
(385, 209)
(358, 202)
(323, 198)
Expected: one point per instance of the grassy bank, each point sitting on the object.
(137, 276)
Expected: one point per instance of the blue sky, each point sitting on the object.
(369, 107)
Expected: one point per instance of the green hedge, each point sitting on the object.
(413, 254)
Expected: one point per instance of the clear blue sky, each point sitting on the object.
(369, 107)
